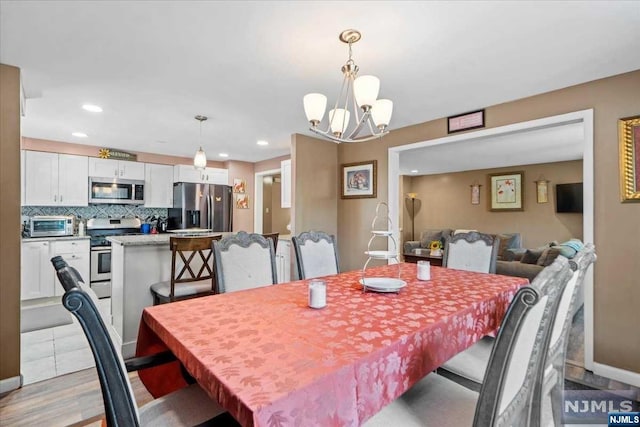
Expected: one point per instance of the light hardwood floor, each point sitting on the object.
(68, 400)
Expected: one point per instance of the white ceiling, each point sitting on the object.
(153, 65)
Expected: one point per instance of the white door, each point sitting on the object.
(130, 170)
(73, 180)
(158, 186)
(41, 179)
(103, 168)
(36, 271)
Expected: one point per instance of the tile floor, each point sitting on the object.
(47, 353)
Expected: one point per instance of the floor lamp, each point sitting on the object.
(412, 197)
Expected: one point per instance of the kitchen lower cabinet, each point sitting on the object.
(38, 277)
(283, 261)
(36, 271)
(77, 254)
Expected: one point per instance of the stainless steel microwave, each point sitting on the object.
(50, 226)
(116, 191)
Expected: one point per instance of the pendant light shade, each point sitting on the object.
(381, 113)
(365, 89)
(339, 120)
(314, 107)
(200, 159)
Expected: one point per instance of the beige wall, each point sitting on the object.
(270, 164)
(243, 218)
(444, 201)
(314, 185)
(92, 151)
(267, 196)
(616, 289)
(9, 222)
(281, 216)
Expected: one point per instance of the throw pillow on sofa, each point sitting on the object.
(548, 256)
(507, 241)
(569, 248)
(531, 256)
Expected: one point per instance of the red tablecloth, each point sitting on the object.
(270, 360)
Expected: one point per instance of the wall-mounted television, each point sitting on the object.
(569, 198)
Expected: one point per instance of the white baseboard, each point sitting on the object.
(622, 375)
(10, 384)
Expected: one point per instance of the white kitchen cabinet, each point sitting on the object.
(52, 179)
(107, 168)
(77, 254)
(22, 175)
(285, 187)
(187, 173)
(283, 261)
(158, 186)
(36, 271)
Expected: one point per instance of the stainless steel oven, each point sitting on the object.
(99, 229)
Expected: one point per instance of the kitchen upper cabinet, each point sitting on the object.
(52, 179)
(285, 188)
(107, 168)
(36, 272)
(77, 254)
(187, 173)
(158, 186)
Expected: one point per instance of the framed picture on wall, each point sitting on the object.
(542, 191)
(358, 180)
(242, 201)
(239, 185)
(506, 191)
(629, 137)
(475, 194)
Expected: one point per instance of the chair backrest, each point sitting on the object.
(191, 260)
(119, 401)
(316, 254)
(519, 353)
(244, 261)
(471, 251)
(274, 238)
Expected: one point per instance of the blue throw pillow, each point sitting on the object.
(570, 248)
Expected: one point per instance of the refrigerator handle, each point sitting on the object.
(210, 208)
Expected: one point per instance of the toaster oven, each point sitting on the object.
(50, 226)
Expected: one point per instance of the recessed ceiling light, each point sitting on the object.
(92, 108)
(223, 155)
(414, 171)
(263, 142)
(79, 134)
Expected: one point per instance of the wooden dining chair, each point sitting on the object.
(471, 251)
(192, 272)
(468, 368)
(513, 372)
(316, 254)
(244, 261)
(189, 406)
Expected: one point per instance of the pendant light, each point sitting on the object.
(200, 159)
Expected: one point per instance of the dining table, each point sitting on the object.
(271, 360)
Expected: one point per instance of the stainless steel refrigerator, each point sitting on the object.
(201, 206)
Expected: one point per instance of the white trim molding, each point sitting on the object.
(10, 384)
(258, 196)
(622, 375)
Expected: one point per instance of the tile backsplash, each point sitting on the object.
(94, 211)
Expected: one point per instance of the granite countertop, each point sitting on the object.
(157, 239)
(54, 238)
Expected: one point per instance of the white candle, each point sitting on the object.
(424, 270)
(317, 293)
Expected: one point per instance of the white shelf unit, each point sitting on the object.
(381, 284)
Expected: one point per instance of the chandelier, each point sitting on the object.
(362, 93)
(200, 159)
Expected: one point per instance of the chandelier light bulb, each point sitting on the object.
(381, 113)
(315, 105)
(365, 89)
(339, 120)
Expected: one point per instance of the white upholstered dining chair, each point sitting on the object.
(471, 251)
(244, 261)
(189, 406)
(507, 392)
(316, 254)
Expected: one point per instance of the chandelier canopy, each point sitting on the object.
(200, 159)
(362, 93)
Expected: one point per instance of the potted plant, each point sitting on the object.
(436, 248)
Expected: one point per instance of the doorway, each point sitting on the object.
(585, 118)
(269, 215)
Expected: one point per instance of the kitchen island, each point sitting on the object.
(137, 262)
